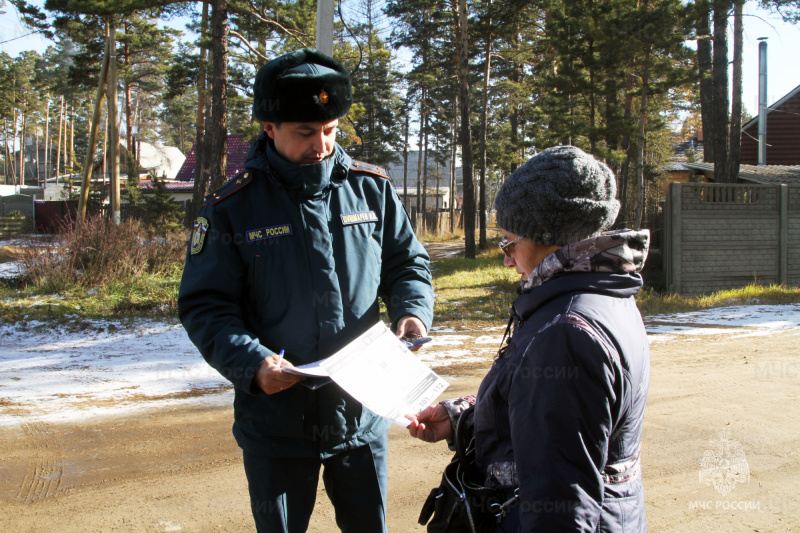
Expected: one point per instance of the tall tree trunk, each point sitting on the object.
(22, 143)
(425, 177)
(130, 137)
(219, 133)
(612, 138)
(14, 125)
(513, 120)
(640, 152)
(105, 152)
(438, 184)
(36, 159)
(626, 146)
(405, 163)
(422, 115)
(113, 124)
(592, 103)
(128, 106)
(200, 184)
(704, 66)
(9, 155)
(71, 143)
(58, 146)
(5, 145)
(462, 48)
(64, 156)
(47, 139)
(487, 72)
(453, 184)
(641, 197)
(98, 105)
(736, 99)
(721, 100)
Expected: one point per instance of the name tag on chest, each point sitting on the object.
(270, 232)
(348, 219)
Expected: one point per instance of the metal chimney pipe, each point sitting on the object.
(762, 101)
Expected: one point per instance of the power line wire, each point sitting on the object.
(20, 37)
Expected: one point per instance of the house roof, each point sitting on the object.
(764, 174)
(675, 166)
(237, 152)
(791, 94)
(158, 160)
(173, 186)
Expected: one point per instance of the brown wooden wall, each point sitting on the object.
(783, 136)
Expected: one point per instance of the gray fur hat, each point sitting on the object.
(561, 195)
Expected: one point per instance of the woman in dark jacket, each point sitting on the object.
(560, 412)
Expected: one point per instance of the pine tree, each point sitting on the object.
(789, 10)
(158, 210)
(426, 27)
(144, 49)
(379, 124)
(112, 11)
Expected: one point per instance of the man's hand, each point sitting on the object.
(410, 326)
(271, 379)
(431, 424)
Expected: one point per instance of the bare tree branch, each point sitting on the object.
(247, 44)
(254, 12)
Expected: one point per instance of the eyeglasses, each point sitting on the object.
(506, 246)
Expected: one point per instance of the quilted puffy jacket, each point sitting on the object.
(560, 413)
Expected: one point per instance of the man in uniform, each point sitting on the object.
(292, 256)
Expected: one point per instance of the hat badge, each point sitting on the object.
(323, 97)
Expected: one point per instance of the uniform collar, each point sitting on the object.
(305, 180)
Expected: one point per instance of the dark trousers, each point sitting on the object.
(283, 491)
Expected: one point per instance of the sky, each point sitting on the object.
(116, 368)
(783, 43)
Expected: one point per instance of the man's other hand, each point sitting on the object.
(271, 379)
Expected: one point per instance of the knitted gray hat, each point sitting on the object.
(561, 195)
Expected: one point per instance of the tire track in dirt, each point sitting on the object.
(46, 468)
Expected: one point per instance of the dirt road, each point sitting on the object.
(178, 469)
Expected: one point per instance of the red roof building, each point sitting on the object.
(783, 133)
(237, 151)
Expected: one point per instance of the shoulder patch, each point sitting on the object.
(199, 235)
(233, 185)
(360, 166)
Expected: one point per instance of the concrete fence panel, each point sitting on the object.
(720, 236)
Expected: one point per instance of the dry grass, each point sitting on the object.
(102, 270)
(96, 253)
(444, 237)
(474, 292)
(469, 290)
(9, 253)
(651, 303)
(97, 269)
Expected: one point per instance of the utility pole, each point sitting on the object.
(325, 26)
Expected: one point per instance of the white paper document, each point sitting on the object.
(380, 372)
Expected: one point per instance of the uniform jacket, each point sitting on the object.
(295, 257)
(560, 412)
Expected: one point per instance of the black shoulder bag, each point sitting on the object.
(460, 504)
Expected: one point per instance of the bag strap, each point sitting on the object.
(464, 436)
